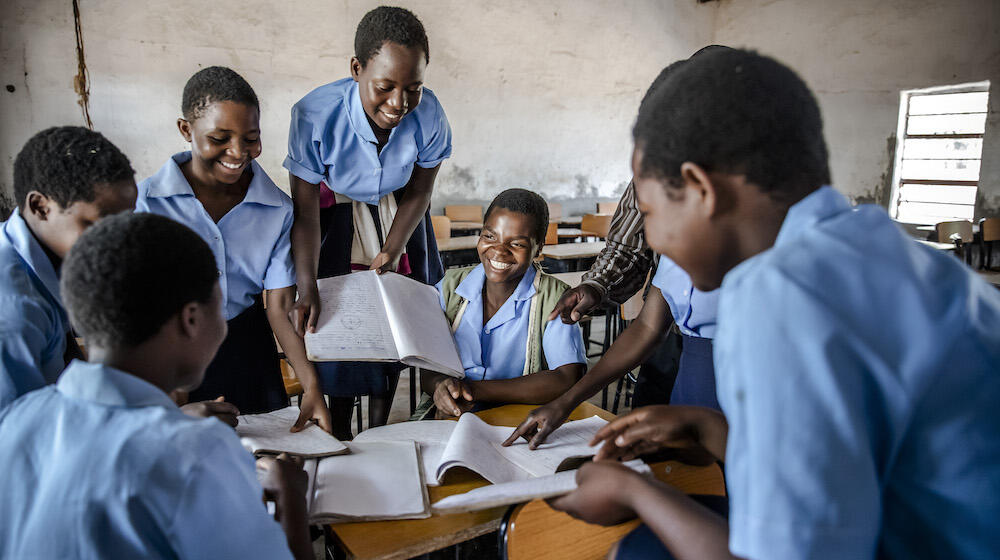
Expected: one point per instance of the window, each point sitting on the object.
(937, 158)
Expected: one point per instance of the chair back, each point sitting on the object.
(555, 211)
(596, 224)
(949, 232)
(464, 212)
(990, 229)
(552, 234)
(607, 207)
(442, 227)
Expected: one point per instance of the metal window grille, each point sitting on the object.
(936, 174)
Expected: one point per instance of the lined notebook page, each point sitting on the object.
(352, 323)
(269, 433)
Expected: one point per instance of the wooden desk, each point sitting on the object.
(462, 226)
(569, 220)
(384, 540)
(463, 243)
(535, 530)
(573, 250)
(571, 278)
(936, 245)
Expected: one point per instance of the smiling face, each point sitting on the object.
(391, 83)
(58, 228)
(507, 245)
(224, 139)
(678, 223)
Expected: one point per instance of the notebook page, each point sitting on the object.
(472, 446)
(377, 480)
(352, 323)
(508, 493)
(431, 437)
(269, 433)
(572, 439)
(422, 334)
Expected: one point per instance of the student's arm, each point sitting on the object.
(305, 251)
(620, 269)
(416, 200)
(455, 396)
(609, 493)
(629, 350)
(312, 405)
(284, 481)
(652, 428)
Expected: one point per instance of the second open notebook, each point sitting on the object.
(476, 445)
(371, 317)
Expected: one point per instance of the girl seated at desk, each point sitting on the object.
(497, 310)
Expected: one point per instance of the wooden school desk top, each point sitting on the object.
(573, 250)
(458, 243)
(384, 540)
(458, 226)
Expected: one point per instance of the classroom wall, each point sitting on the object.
(539, 94)
(857, 55)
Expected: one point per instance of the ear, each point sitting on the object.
(39, 205)
(698, 184)
(355, 68)
(185, 129)
(191, 318)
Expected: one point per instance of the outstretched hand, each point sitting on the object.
(575, 303)
(652, 428)
(540, 423)
(219, 408)
(312, 407)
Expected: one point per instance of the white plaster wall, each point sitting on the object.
(539, 94)
(857, 55)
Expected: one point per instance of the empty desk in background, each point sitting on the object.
(568, 257)
(458, 251)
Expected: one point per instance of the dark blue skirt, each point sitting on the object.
(642, 543)
(246, 369)
(349, 379)
(695, 383)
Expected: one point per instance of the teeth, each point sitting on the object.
(499, 265)
(232, 165)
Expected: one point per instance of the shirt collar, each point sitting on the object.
(471, 288)
(356, 114)
(170, 181)
(110, 387)
(24, 242)
(814, 208)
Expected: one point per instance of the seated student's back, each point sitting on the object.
(103, 463)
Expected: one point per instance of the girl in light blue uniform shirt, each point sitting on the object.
(363, 154)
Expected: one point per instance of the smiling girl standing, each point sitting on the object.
(219, 191)
(363, 154)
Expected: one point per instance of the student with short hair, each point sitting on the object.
(106, 464)
(857, 369)
(220, 191)
(511, 351)
(363, 155)
(65, 179)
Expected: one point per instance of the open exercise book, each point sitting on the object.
(475, 445)
(369, 317)
(269, 433)
(386, 473)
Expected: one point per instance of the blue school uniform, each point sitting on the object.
(330, 141)
(33, 322)
(107, 466)
(252, 250)
(496, 350)
(694, 313)
(858, 371)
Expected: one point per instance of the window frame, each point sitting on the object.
(903, 122)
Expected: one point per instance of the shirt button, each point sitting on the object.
(218, 272)
(487, 331)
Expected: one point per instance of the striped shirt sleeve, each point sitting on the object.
(620, 270)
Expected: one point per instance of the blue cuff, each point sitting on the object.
(302, 172)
